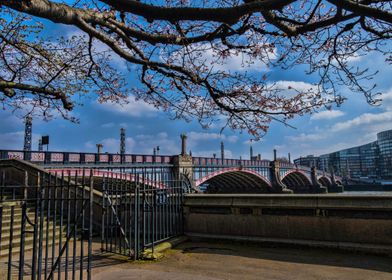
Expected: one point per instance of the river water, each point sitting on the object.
(364, 193)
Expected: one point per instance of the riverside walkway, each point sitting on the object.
(213, 261)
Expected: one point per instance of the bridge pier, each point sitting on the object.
(183, 171)
(316, 186)
(335, 187)
(183, 167)
(277, 185)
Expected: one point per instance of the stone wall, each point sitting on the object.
(356, 222)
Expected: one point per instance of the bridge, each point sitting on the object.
(201, 174)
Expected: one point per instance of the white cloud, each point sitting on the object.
(211, 57)
(145, 144)
(364, 119)
(387, 100)
(252, 142)
(194, 138)
(294, 85)
(232, 138)
(100, 47)
(279, 147)
(306, 137)
(358, 130)
(327, 115)
(89, 145)
(324, 149)
(210, 153)
(15, 141)
(133, 108)
(202, 136)
(140, 144)
(108, 125)
(235, 62)
(111, 145)
(289, 89)
(354, 58)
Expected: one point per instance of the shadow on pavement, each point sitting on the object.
(328, 257)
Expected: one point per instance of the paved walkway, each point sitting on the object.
(211, 261)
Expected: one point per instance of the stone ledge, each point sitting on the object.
(326, 201)
(345, 246)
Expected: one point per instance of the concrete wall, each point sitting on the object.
(355, 222)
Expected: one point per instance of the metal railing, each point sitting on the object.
(53, 157)
(136, 216)
(206, 161)
(45, 225)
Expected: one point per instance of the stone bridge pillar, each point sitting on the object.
(183, 167)
(277, 185)
(183, 171)
(316, 186)
(335, 187)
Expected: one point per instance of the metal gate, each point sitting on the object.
(45, 225)
(140, 213)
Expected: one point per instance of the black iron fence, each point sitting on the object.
(45, 225)
(48, 218)
(137, 215)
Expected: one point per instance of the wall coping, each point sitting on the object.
(300, 201)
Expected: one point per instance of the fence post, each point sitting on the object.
(90, 230)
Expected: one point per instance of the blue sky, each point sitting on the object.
(353, 123)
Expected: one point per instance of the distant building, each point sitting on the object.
(372, 160)
(384, 141)
(309, 160)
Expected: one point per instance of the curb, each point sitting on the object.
(157, 253)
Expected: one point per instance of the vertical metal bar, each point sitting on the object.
(117, 208)
(182, 193)
(83, 189)
(158, 206)
(174, 202)
(54, 223)
(22, 241)
(176, 206)
(136, 223)
(110, 191)
(162, 206)
(153, 195)
(129, 204)
(107, 214)
(122, 218)
(23, 227)
(2, 177)
(179, 192)
(10, 244)
(61, 223)
(145, 216)
(90, 227)
(37, 205)
(115, 224)
(1, 221)
(103, 213)
(68, 224)
(171, 210)
(75, 226)
(48, 210)
(42, 197)
(167, 204)
(143, 209)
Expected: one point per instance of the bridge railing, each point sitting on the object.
(75, 158)
(205, 161)
(53, 157)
